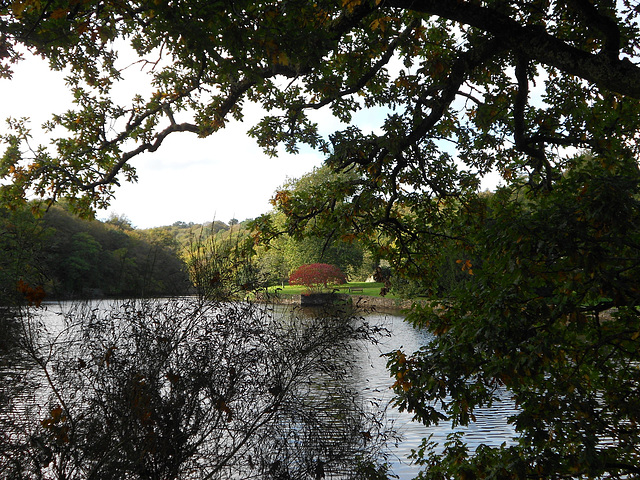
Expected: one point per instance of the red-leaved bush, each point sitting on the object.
(317, 275)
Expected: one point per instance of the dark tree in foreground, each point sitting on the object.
(550, 313)
(188, 390)
(459, 89)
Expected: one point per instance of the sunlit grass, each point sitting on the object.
(368, 288)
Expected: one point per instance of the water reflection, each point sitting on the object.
(491, 427)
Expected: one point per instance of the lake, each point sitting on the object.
(373, 382)
(491, 427)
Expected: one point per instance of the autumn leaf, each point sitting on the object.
(59, 13)
(222, 406)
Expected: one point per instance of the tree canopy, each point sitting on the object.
(505, 83)
(69, 257)
(544, 93)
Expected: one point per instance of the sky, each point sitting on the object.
(188, 179)
(199, 180)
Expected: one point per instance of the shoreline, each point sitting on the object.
(358, 301)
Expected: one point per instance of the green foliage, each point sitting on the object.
(450, 91)
(22, 239)
(298, 239)
(551, 314)
(347, 257)
(273, 265)
(120, 221)
(89, 258)
(448, 272)
(436, 71)
(70, 257)
(221, 266)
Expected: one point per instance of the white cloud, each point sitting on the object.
(190, 179)
(218, 178)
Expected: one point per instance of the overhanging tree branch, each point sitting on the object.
(606, 71)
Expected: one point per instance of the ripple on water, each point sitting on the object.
(490, 428)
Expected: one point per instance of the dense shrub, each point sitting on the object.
(186, 389)
(317, 275)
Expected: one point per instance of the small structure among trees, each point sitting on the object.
(316, 276)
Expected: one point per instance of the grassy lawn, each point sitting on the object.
(368, 288)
